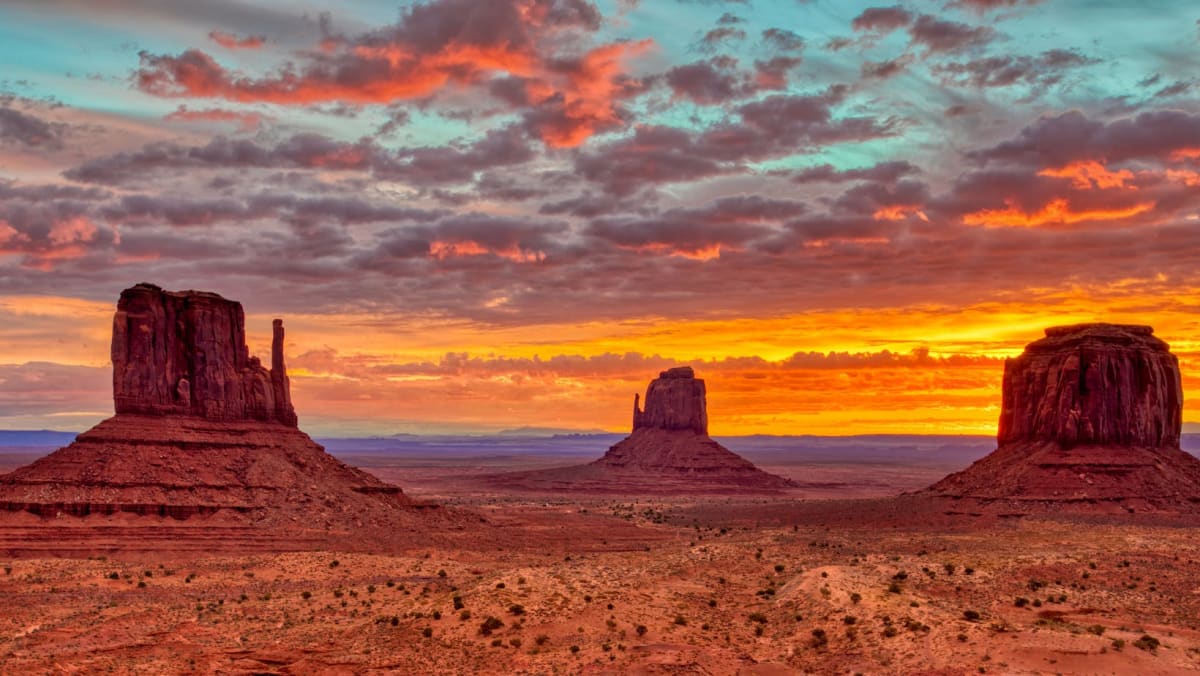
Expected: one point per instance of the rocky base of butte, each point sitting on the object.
(1091, 417)
(204, 436)
(668, 452)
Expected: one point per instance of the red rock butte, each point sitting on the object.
(203, 435)
(1091, 415)
(668, 452)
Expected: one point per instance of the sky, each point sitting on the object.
(476, 216)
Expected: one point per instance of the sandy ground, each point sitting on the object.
(629, 585)
(1034, 596)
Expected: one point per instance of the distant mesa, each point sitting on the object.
(669, 451)
(202, 431)
(1091, 414)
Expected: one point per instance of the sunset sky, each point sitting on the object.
(476, 215)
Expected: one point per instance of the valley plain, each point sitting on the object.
(790, 583)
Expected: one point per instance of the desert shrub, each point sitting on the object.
(114, 575)
(819, 639)
(779, 568)
(641, 630)
(141, 584)
(427, 632)
(395, 620)
(855, 597)
(464, 615)
(574, 649)
(901, 575)
(758, 631)
(516, 609)
(971, 615)
(949, 568)
(497, 643)
(849, 619)
(541, 639)
(890, 630)
(514, 642)
(962, 638)
(370, 589)
(306, 595)
(1118, 644)
(499, 585)
(894, 588)
(334, 563)
(391, 583)
(1096, 629)
(441, 573)
(758, 617)
(458, 602)
(1147, 642)
(681, 620)
(1021, 602)
(712, 603)
(489, 625)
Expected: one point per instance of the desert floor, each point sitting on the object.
(549, 585)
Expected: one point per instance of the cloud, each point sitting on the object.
(1057, 140)
(1043, 70)
(882, 20)
(889, 171)
(940, 36)
(26, 130)
(434, 47)
(246, 121)
(231, 41)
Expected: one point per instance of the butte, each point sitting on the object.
(203, 454)
(1090, 420)
(668, 452)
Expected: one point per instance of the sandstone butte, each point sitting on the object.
(1091, 416)
(203, 433)
(668, 452)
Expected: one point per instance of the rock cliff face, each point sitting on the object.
(1093, 384)
(202, 430)
(184, 353)
(1091, 415)
(674, 401)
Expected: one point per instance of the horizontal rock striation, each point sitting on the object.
(1091, 415)
(184, 353)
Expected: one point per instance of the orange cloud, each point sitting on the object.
(231, 41)
(899, 212)
(589, 91)
(1186, 154)
(1091, 174)
(569, 99)
(1057, 212)
(442, 250)
(1188, 178)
